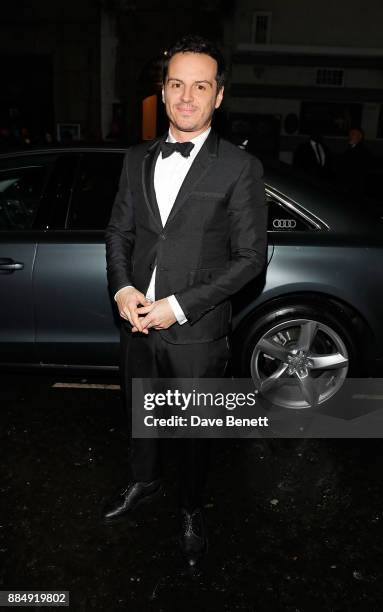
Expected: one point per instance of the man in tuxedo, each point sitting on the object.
(355, 164)
(314, 158)
(187, 231)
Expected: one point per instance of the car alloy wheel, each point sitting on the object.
(299, 363)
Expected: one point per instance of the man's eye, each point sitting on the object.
(201, 87)
(174, 85)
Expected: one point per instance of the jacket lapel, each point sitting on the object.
(147, 176)
(196, 173)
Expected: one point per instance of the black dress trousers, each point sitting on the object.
(149, 356)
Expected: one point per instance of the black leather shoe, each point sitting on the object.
(128, 499)
(193, 538)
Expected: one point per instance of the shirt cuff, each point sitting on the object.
(117, 292)
(177, 310)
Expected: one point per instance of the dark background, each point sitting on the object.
(293, 67)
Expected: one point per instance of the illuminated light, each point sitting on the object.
(149, 117)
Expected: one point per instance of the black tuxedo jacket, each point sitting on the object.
(213, 243)
(306, 160)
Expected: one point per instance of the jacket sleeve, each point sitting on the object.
(247, 217)
(120, 235)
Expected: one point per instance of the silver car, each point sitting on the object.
(314, 319)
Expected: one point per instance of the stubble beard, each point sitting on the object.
(182, 128)
(192, 127)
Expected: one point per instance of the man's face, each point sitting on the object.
(354, 137)
(190, 93)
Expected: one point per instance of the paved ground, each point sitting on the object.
(294, 525)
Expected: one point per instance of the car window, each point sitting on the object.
(20, 194)
(284, 219)
(94, 190)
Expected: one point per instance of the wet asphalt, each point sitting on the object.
(294, 525)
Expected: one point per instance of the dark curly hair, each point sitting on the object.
(197, 44)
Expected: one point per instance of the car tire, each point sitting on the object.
(299, 355)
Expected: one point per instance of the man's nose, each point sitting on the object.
(187, 94)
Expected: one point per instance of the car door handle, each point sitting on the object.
(11, 265)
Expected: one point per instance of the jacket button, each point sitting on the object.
(163, 236)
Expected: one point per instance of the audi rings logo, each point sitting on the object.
(284, 223)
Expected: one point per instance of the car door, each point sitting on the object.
(23, 183)
(76, 324)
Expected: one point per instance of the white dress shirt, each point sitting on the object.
(169, 174)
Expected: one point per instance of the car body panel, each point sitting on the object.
(294, 270)
(16, 310)
(74, 313)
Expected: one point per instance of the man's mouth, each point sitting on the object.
(185, 110)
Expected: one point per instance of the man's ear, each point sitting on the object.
(163, 95)
(219, 97)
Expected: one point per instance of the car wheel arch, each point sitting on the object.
(355, 323)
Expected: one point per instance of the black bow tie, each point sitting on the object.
(167, 148)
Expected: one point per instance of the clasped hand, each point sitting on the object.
(143, 314)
